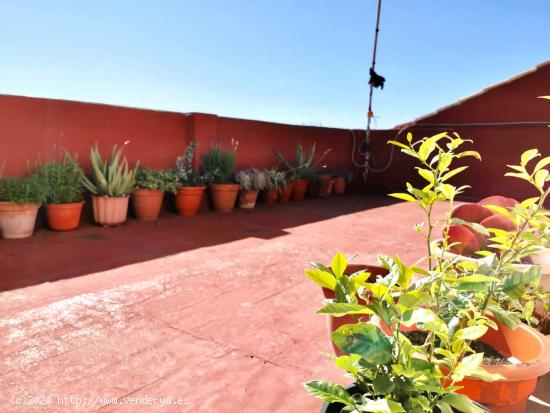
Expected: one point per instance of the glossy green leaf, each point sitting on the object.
(322, 278)
(528, 156)
(339, 264)
(404, 197)
(364, 339)
(342, 309)
(329, 392)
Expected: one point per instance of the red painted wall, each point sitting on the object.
(499, 145)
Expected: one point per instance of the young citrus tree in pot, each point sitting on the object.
(111, 184)
(147, 197)
(302, 169)
(20, 199)
(218, 167)
(251, 182)
(64, 185)
(191, 187)
(275, 182)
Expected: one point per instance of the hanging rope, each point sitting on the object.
(375, 79)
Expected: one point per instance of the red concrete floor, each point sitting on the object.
(214, 310)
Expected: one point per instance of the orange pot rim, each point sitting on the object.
(109, 196)
(14, 207)
(65, 205)
(150, 191)
(188, 187)
(213, 185)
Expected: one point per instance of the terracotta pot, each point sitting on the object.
(524, 343)
(64, 217)
(286, 192)
(247, 199)
(331, 186)
(189, 199)
(17, 220)
(147, 203)
(270, 196)
(324, 184)
(299, 190)
(224, 196)
(313, 188)
(352, 389)
(110, 210)
(334, 322)
(339, 185)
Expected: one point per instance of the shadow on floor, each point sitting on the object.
(51, 256)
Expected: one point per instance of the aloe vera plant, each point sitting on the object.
(111, 177)
(304, 166)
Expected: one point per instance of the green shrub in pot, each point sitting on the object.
(111, 183)
(189, 194)
(64, 185)
(149, 191)
(454, 307)
(218, 166)
(20, 199)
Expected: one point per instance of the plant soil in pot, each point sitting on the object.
(324, 185)
(110, 210)
(64, 217)
(339, 185)
(17, 220)
(286, 192)
(147, 203)
(313, 188)
(189, 200)
(247, 199)
(300, 189)
(224, 196)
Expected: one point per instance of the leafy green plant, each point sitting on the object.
(453, 303)
(26, 190)
(184, 168)
(63, 180)
(305, 166)
(153, 179)
(218, 165)
(275, 179)
(111, 177)
(251, 179)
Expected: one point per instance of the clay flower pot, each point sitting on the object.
(224, 196)
(313, 188)
(300, 189)
(334, 322)
(110, 210)
(331, 186)
(147, 203)
(189, 199)
(270, 196)
(17, 220)
(339, 185)
(286, 192)
(247, 199)
(324, 185)
(64, 217)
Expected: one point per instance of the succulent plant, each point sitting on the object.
(111, 177)
(275, 179)
(304, 167)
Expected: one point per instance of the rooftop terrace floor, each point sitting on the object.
(214, 308)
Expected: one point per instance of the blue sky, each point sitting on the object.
(300, 61)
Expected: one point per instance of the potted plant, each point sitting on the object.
(149, 191)
(324, 185)
(218, 167)
(20, 199)
(191, 190)
(341, 179)
(303, 168)
(63, 181)
(286, 192)
(275, 182)
(433, 337)
(251, 181)
(111, 184)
